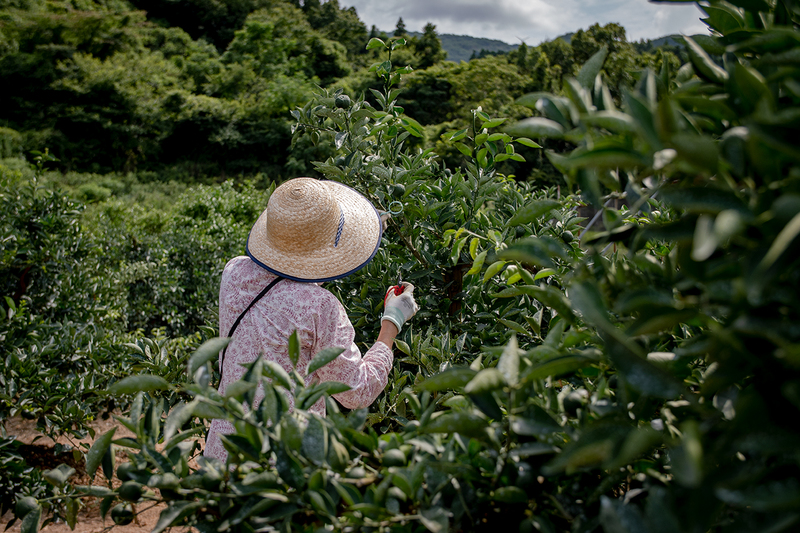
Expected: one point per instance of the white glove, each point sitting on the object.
(397, 309)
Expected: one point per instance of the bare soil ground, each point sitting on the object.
(39, 451)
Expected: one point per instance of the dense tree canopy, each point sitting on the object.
(199, 89)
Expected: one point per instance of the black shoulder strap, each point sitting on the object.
(241, 316)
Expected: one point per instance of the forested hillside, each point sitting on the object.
(185, 91)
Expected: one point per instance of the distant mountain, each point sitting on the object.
(567, 37)
(461, 47)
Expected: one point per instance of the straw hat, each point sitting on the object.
(315, 231)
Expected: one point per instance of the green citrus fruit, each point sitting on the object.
(25, 505)
(125, 470)
(212, 480)
(343, 101)
(131, 491)
(122, 514)
(567, 236)
(357, 472)
(394, 457)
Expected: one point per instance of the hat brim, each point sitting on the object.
(357, 245)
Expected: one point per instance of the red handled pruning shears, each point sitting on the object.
(396, 289)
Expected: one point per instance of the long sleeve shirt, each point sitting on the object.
(320, 321)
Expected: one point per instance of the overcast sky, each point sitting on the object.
(532, 21)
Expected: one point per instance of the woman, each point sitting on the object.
(311, 232)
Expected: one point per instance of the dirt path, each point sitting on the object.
(39, 451)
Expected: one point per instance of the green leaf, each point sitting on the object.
(514, 326)
(464, 149)
(640, 373)
(530, 99)
(613, 121)
(536, 422)
(435, 520)
(592, 67)
(549, 296)
(58, 476)
(467, 424)
(72, 506)
(533, 449)
(703, 200)
(322, 358)
(208, 351)
(473, 248)
(402, 346)
(486, 402)
(487, 380)
(642, 115)
(456, 135)
(723, 20)
(544, 273)
(698, 150)
(557, 366)
(455, 254)
(538, 127)
(140, 383)
(177, 511)
(703, 63)
(661, 321)
(510, 495)
(310, 396)
(777, 495)
(108, 462)
(179, 415)
(595, 447)
(527, 142)
(619, 518)
(589, 185)
(412, 126)
(30, 523)
(638, 442)
(781, 244)
(94, 490)
(239, 388)
(294, 348)
(275, 372)
(532, 211)
(537, 251)
(451, 379)
(687, 458)
(95, 454)
(747, 88)
(375, 43)
(493, 123)
(606, 157)
(493, 269)
(477, 264)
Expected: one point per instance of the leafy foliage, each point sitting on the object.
(202, 90)
(635, 377)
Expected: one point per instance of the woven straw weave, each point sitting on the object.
(296, 236)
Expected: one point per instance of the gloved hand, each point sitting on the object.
(398, 308)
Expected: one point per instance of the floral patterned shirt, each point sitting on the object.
(320, 321)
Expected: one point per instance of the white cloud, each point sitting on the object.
(532, 21)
